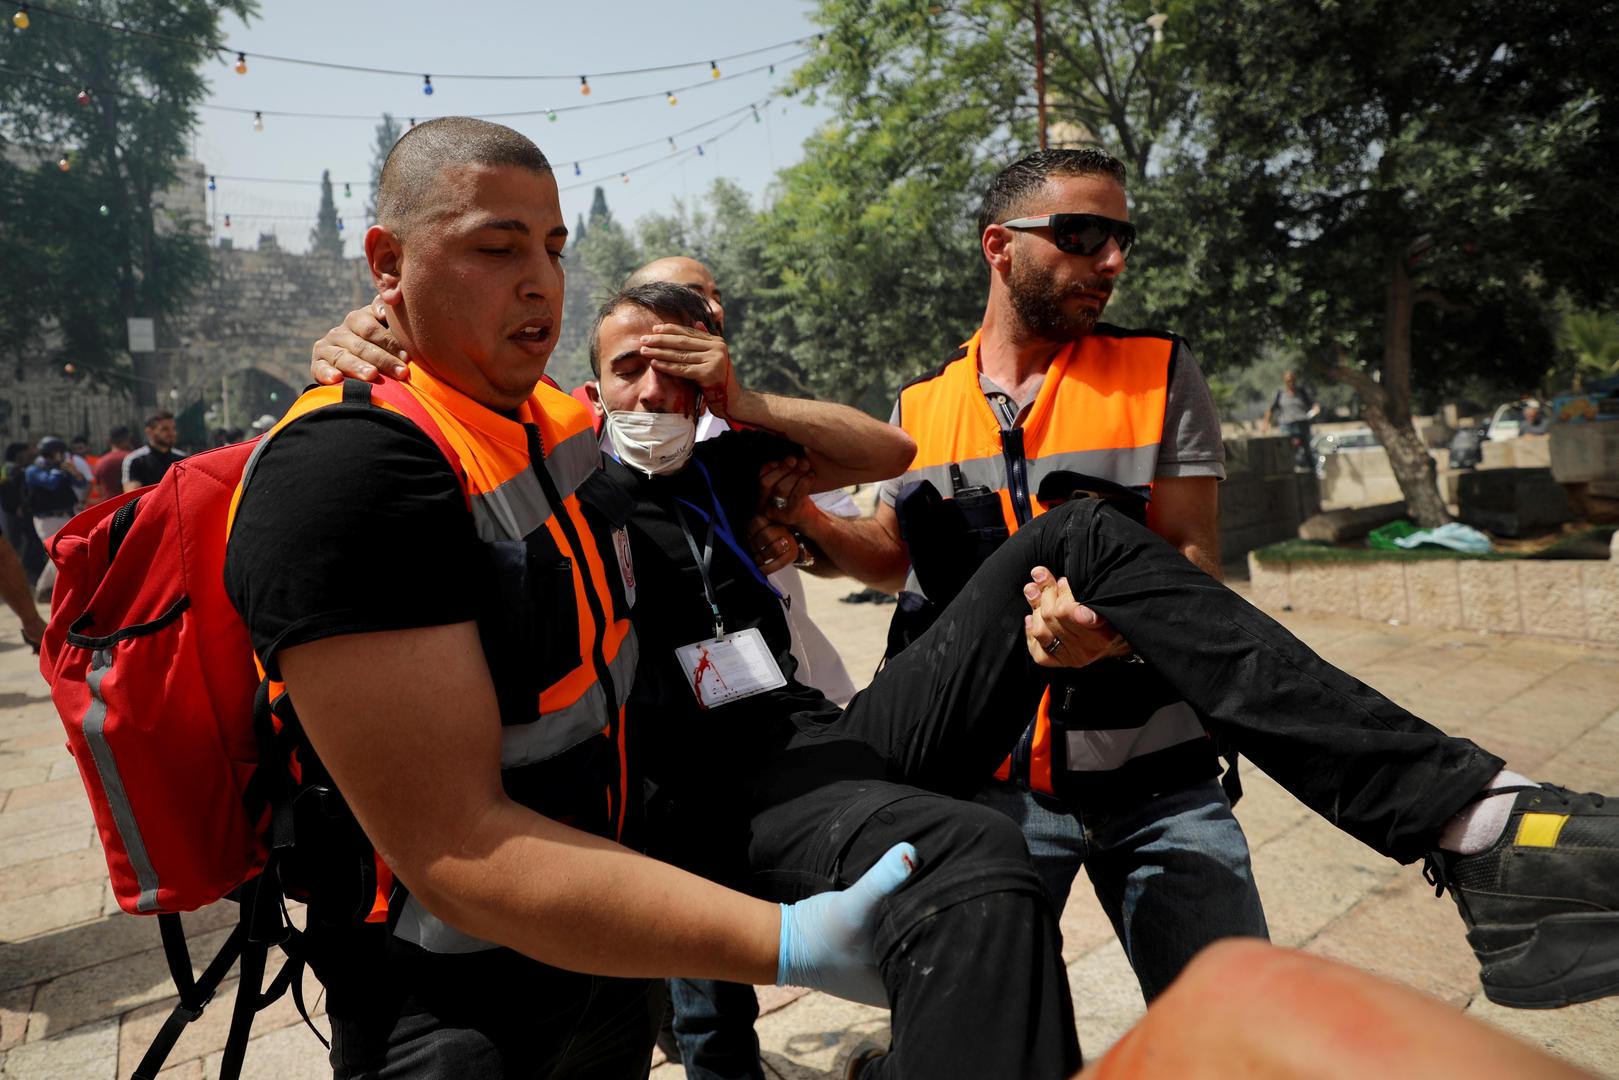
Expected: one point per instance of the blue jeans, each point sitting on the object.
(1172, 872)
(714, 1029)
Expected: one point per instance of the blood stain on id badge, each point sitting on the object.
(727, 668)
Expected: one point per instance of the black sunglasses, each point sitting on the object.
(1081, 234)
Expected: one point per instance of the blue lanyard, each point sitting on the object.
(722, 528)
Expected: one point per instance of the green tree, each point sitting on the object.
(324, 238)
(600, 256)
(387, 133)
(1391, 188)
(870, 256)
(146, 249)
(1592, 337)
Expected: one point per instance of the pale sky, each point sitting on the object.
(499, 37)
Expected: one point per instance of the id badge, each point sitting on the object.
(726, 668)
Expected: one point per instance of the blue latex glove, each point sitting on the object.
(826, 941)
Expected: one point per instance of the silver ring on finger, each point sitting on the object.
(1052, 646)
(778, 502)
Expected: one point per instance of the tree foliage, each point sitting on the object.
(1389, 188)
(387, 133)
(324, 238)
(82, 271)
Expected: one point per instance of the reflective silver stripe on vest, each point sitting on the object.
(1132, 466)
(1100, 751)
(554, 732)
(519, 506)
(123, 815)
(421, 927)
(571, 461)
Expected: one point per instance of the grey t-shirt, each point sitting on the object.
(1292, 406)
(1191, 444)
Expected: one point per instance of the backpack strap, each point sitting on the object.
(391, 392)
(194, 994)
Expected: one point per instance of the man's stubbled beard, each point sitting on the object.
(1035, 299)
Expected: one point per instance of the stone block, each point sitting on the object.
(1581, 453)
(1512, 502)
(1322, 586)
(36, 846)
(206, 1035)
(46, 817)
(1107, 998)
(86, 1053)
(1582, 1035)
(49, 791)
(1300, 906)
(1600, 582)
(1396, 922)
(818, 1032)
(290, 1053)
(43, 875)
(1268, 582)
(68, 952)
(1380, 591)
(1433, 592)
(1489, 592)
(15, 1005)
(113, 988)
(53, 909)
(1551, 597)
(1259, 455)
(1337, 526)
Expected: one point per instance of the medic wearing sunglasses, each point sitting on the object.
(1043, 404)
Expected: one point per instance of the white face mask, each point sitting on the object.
(655, 443)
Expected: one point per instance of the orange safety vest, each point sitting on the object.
(510, 497)
(1099, 413)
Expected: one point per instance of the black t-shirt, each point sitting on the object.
(686, 745)
(352, 523)
(147, 466)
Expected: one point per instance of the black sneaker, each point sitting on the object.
(1542, 904)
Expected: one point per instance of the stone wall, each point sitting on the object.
(1262, 500)
(1570, 599)
(263, 309)
(258, 311)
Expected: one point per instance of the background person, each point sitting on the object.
(147, 464)
(109, 468)
(1293, 408)
(1115, 773)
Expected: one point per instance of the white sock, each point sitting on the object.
(1479, 824)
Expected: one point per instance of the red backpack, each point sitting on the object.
(153, 673)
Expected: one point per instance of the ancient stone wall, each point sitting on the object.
(258, 311)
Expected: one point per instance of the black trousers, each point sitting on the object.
(967, 948)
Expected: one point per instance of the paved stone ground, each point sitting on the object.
(83, 988)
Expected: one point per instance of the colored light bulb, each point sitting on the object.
(672, 99)
(227, 221)
(551, 115)
(699, 149)
(427, 85)
(339, 224)
(211, 185)
(584, 85)
(20, 20)
(258, 121)
(102, 210)
(82, 97)
(672, 143)
(64, 164)
(241, 63)
(576, 169)
(713, 70)
(348, 193)
(624, 177)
